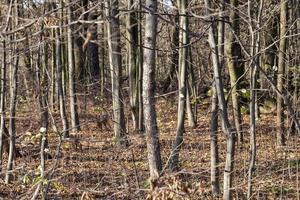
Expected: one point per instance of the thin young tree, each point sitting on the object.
(233, 55)
(72, 90)
(281, 70)
(2, 102)
(132, 61)
(13, 68)
(182, 65)
(115, 62)
(62, 106)
(227, 129)
(214, 149)
(140, 67)
(151, 130)
(254, 29)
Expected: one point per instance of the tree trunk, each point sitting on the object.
(132, 45)
(79, 56)
(255, 58)
(190, 86)
(214, 149)
(182, 64)
(53, 86)
(2, 102)
(42, 91)
(233, 53)
(140, 66)
(115, 60)
(12, 115)
(14, 62)
(280, 73)
(151, 130)
(72, 90)
(59, 84)
(228, 130)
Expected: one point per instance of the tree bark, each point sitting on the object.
(228, 130)
(72, 90)
(59, 84)
(182, 65)
(151, 130)
(12, 114)
(115, 60)
(2, 103)
(14, 64)
(233, 53)
(214, 149)
(280, 73)
(132, 48)
(255, 43)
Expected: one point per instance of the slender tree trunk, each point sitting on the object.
(12, 114)
(53, 78)
(42, 91)
(189, 107)
(280, 73)
(102, 53)
(228, 130)
(2, 102)
(233, 53)
(59, 84)
(215, 182)
(252, 129)
(132, 35)
(92, 53)
(140, 70)
(115, 60)
(79, 56)
(72, 90)
(190, 85)
(183, 53)
(255, 37)
(214, 149)
(151, 130)
(14, 62)
(295, 41)
(193, 92)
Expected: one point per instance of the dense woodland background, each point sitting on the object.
(136, 99)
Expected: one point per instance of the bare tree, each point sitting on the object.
(228, 130)
(59, 84)
(72, 90)
(133, 68)
(182, 65)
(13, 68)
(115, 61)
(214, 149)
(254, 27)
(280, 72)
(151, 131)
(233, 54)
(2, 102)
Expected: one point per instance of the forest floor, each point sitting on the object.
(103, 171)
